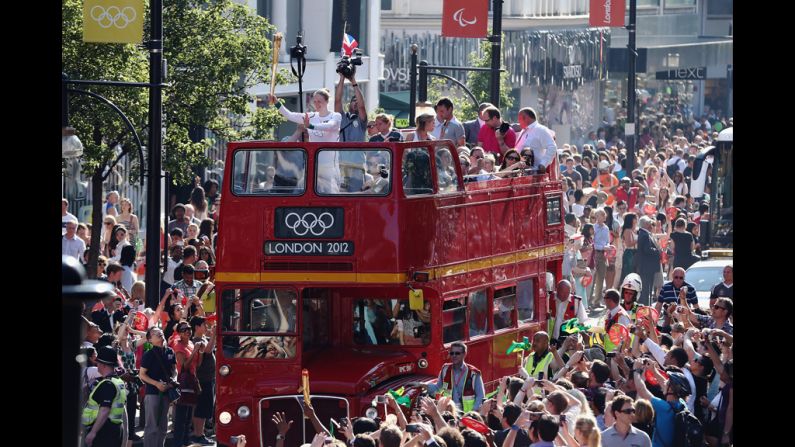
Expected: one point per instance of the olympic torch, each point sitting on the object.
(277, 43)
(305, 386)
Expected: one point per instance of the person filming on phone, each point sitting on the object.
(675, 290)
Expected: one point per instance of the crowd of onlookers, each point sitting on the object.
(150, 350)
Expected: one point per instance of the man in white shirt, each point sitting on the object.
(71, 245)
(536, 137)
(66, 216)
(567, 306)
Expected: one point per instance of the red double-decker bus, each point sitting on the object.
(361, 263)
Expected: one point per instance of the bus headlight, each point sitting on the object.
(224, 370)
(371, 413)
(422, 363)
(225, 417)
(243, 412)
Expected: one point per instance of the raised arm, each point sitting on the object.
(338, 94)
(640, 385)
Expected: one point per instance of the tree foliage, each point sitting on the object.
(477, 82)
(215, 50)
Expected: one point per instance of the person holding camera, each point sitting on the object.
(158, 372)
(496, 136)
(354, 121)
(536, 137)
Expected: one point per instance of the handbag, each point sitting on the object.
(189, 387)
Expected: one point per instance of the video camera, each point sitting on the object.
(346, 65)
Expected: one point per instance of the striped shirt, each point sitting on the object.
(670, 294)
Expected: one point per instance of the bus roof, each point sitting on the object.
(726, 134)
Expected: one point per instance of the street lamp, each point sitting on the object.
(71, 146)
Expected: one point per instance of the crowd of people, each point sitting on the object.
(138, 356)
(631, 233)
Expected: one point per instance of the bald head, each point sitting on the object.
(564, 289)
(678, 277)
(540, 342)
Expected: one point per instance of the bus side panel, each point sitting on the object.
(379, 234)
(450, 242)
(241, 251)
(503, 230)
(478, 226)
(479, 354)
(417, 221)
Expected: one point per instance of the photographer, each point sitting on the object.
(354, 121)
(496, 136)
(158, 372)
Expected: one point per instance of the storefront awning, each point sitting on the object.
(659, 54)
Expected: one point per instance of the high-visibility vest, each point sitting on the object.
(534, 369)
(91, 410)
(468, 396)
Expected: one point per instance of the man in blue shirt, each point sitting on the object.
(601, 240)
(676, 389)
(461, 380)
(674, 290)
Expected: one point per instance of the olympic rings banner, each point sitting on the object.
(309, 223)
(113, 21)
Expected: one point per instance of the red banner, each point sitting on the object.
(465, 18)
(609, 13)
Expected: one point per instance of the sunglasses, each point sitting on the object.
(627, 411)
(679, 277)
(456, 353)
(512, 158)
(718, 307)
(370, 126)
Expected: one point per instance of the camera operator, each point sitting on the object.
(158, 371)
(496, 136)
(354, 121)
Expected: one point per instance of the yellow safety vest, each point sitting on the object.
(467, 399)
(535, 369)
(91, 410)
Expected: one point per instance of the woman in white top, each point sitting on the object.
(322, 125)
(425, 125)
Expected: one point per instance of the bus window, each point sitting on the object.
(271, 311)
(416, 172)
(526, 296)
(347, 172)
(504, 302)
(454, 317)
(266, 172)
(389, 321)
(445, 170)
(478, 313)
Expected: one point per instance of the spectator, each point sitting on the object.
(111, 201)
(648, 259)
(185, 359)
(721, 312)
(205, 372)
(684, 243)
(71, 245)
(180, 220)
(127, 261)
(677, 290)
(425, 125)
(188, 258)
(622, 432)
(198, 200)
(129, 220)
(723, 289)
(157, 373)
(601, 241)
(571, 173)
(66, 216)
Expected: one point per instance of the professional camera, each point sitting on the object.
(346, 65)
(383, 171)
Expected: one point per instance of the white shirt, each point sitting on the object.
(560, 307)
(623, 319)
(168, 277)
(577, 209)
(74, 247)
(69, 217)
(326, 128)
(538, 138)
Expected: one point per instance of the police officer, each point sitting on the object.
(459, 380)
(105, 414)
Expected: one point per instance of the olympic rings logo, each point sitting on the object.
(113, 16)
(309, 223)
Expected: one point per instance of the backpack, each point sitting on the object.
(688, 431)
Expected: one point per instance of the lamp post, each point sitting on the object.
(629, 127)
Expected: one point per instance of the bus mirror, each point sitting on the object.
(416, 301)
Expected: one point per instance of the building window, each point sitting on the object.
(679, 3)
(720, 7)
(386, 5)
(646, 4)
(265, 8)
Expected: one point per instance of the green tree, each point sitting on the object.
(477, 82)
(215, 49)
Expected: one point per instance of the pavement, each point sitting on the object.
(169, 437)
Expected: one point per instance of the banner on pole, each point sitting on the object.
(465, 18)
(607, 13)
(113, 21)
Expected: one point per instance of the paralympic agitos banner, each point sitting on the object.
(465, 18)
(607, 13)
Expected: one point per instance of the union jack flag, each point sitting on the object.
(348, 45)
